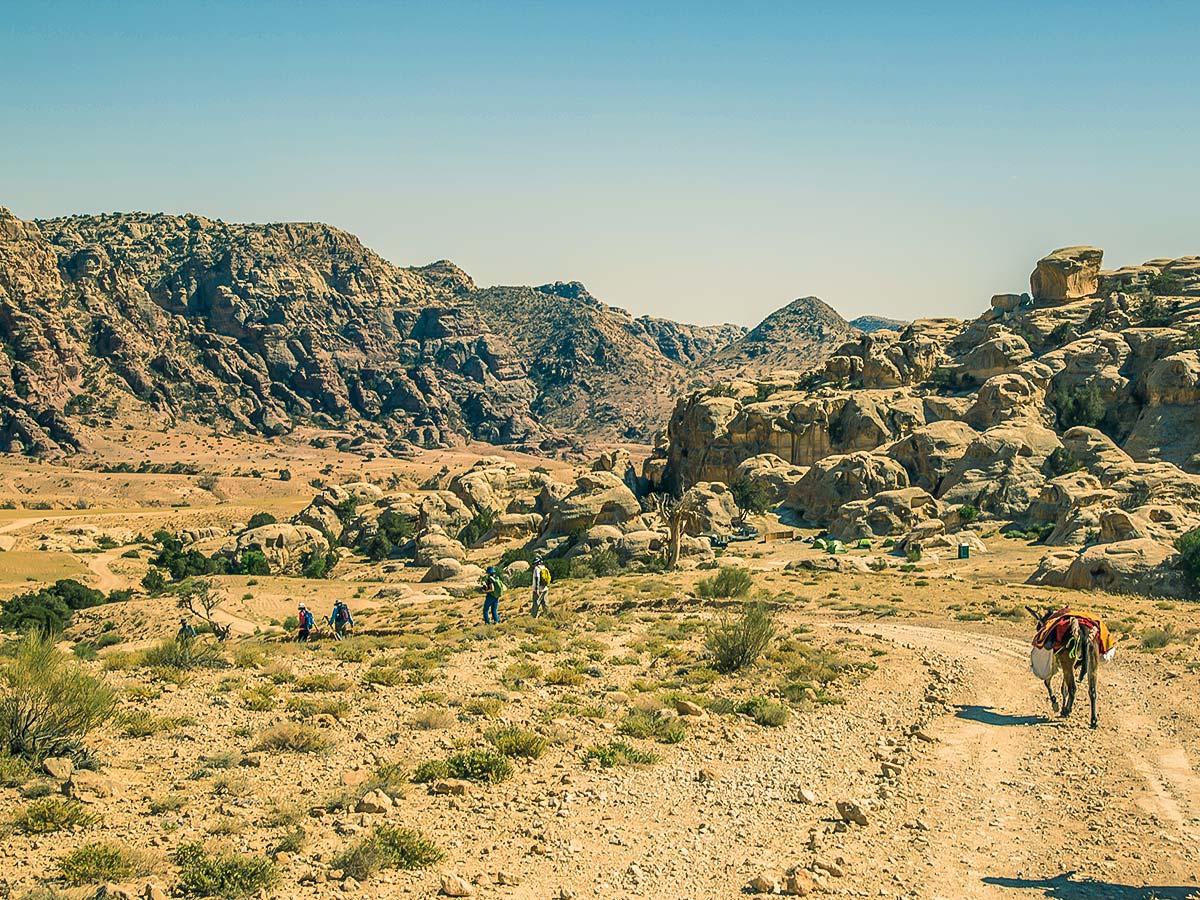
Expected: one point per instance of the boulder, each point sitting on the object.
(930, 452)
(887, 514)
(1066, 274)
(599, 498)
(1002, 472)
(1001, 352)
(713, 508)
(1168, 428)
(443, 509)
(515, 525)
(436, 545)
(490, 483)
(773, 473)
(1132, 566)
(836, 480)
(450, 569)
(286, 547)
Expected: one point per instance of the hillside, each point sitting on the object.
(871, 324)
(110, 319)
(1067, 413)
(797, 337)
(597, 370)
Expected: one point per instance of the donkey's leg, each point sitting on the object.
(1050, 691)
(1093, 663)
(1069, 687)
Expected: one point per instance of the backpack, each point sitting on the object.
(495, 586)
(308, 620)
(545, 576)
(341, 613)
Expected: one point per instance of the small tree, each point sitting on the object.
(199, 599)
(751, 497)
(1188, 546)
(737, 643)
(48, 702)
(676, 515)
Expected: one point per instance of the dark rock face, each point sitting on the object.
(258, 326)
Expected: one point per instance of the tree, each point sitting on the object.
(676, 515)
(751, 497)
(199, 599)
(260, 519)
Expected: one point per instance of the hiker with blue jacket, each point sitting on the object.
(340, 619)
(493, 588)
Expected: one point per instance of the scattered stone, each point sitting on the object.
(852, 811)
(507, 878)
(454, 885)
(454, 787)
(688, 708)
(798, 883)
(59, 767)
(764, 883)
(374, 802)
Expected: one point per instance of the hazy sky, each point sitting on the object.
(701, 161)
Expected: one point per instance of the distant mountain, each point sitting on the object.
(799, 336)
(596, 369)
(871, 324)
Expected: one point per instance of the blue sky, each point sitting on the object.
(700, 161)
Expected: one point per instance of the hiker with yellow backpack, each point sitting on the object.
(541, 587)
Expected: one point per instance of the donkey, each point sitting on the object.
(1087, 640)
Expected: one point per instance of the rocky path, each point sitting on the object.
(1011, 804)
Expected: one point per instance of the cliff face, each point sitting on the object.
(105, 318)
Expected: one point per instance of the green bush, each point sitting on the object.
(619, 753)
(729, 582)
(260, 519)
(48, 702)
(254, 562)
(1082, 406)
(968, 512)
(642, 724)
(475, 530)
(737, 643)
(224, 874)
(48, 610)
(51, 815)
(387, 847)
(292, 738)
(764, 712)
(751, 496)
(1188, 546)
(472, 765)
(98, 863)
(1061, 462)
(514, 741)
(172, 654)
(14, 771)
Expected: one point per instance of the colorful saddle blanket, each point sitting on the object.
(1057, 630)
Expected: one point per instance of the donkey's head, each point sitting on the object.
(1041, 617)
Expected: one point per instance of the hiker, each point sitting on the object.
(306, 623)
(186, 631)
(493, 587)
(340, 619)
(541, 586)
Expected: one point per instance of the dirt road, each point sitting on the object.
(1011, 804)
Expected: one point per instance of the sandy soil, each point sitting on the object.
(931, 722)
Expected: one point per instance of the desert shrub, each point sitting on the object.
(108, 639)
(293, 738)
(519, 674)
(479, 526)
(84, 651)
(472, 765)
(643, 724)
(48, 702)
(1188, 546)
(1082, 406)
(968, 512)
(323, 683)
(292, 842)
(139, 723)
(179, 562)
(172, 654)
(48, 610)
(100, 862)
(50, 815)
(1157, 638)
(260, 519)
(225, 874)
(154, 583)
(516, 742)
(737, 643)
(387, 676)
(564, 676)
(387, 847)
(764, 712)
(602, 563)
(485, 707)
(618, 753)
(254, 562)
(731, 581)
(14, 771)
(751, 496)
(1060, 462)
(259, 698)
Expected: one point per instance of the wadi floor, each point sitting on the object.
(908, 693)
